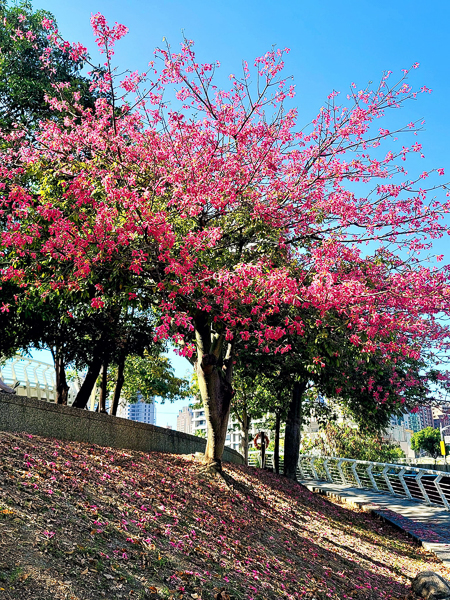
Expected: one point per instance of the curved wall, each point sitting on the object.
(37, 417)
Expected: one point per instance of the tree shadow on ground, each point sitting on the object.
(343, 515)
(117, 521)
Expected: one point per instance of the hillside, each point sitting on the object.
(80, 522)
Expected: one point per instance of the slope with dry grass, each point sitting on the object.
(86, 522)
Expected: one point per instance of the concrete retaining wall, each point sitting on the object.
(37, 417)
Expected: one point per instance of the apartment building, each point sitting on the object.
(234, 437)
(142, 411)
(185, 420)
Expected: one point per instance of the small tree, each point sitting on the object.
(428, 440)
(351, 442)
(150, 375)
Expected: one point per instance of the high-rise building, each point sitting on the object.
(184, 419)
(425, 416)
(416, 421)
(144, 412)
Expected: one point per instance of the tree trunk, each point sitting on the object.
(85, 390)
(245, 422)
(62, 387)
(276, 453)
(103, 389)
(293, 432)
(214, 380)
(118, 388)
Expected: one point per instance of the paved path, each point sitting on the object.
(430, 525)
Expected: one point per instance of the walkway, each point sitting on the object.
(429, 525)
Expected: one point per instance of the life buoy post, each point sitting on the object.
(262, 445)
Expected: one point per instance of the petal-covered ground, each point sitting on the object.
(84, 522)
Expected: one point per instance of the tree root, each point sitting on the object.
(211, 467)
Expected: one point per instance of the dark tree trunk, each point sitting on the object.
(245, 422)
(276, 453)
(214, 380)
(103, 388)
(88, 384)
(293, 432)
(262, 437)
(118, 388)
(62, 387)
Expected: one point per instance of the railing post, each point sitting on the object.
(314, 472)
(386, 478)
(371, 477)
(46, 388)
(300, 467)
(403, 482)
(355, 474)
(27, 381)
(341, 472)
(439, 489)
(418, 479)
(36, 382)
(327, 470)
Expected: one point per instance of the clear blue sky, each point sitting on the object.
(332, 44)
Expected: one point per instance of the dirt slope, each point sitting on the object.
(82, 522)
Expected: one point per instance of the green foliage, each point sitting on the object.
(23, 83)
(349, 442)
(271, 445)
(149, 376)
(428, 440)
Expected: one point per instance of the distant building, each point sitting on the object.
(426, 416)
(144, 412)
(199, 422)
(399, 433)
(414, 422)
(234, 438)
(441, 416)
(185, 419)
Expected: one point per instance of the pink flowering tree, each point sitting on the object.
(225, 211)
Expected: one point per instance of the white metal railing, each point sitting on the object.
(421, 460)
(36, 379)
(254, 459)
(413, 483)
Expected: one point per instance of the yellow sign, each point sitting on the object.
(443, 448)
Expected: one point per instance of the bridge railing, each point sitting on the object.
(413, 483)
(35, 378)
(254, 459)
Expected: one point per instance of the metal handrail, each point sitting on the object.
(33, 378)
(254, 457)
(413, 483)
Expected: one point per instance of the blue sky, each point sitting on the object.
(332, 44)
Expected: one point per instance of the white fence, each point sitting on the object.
(36, 379)
(254, 459)
(413, 483)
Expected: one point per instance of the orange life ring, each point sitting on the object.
(257, 444)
